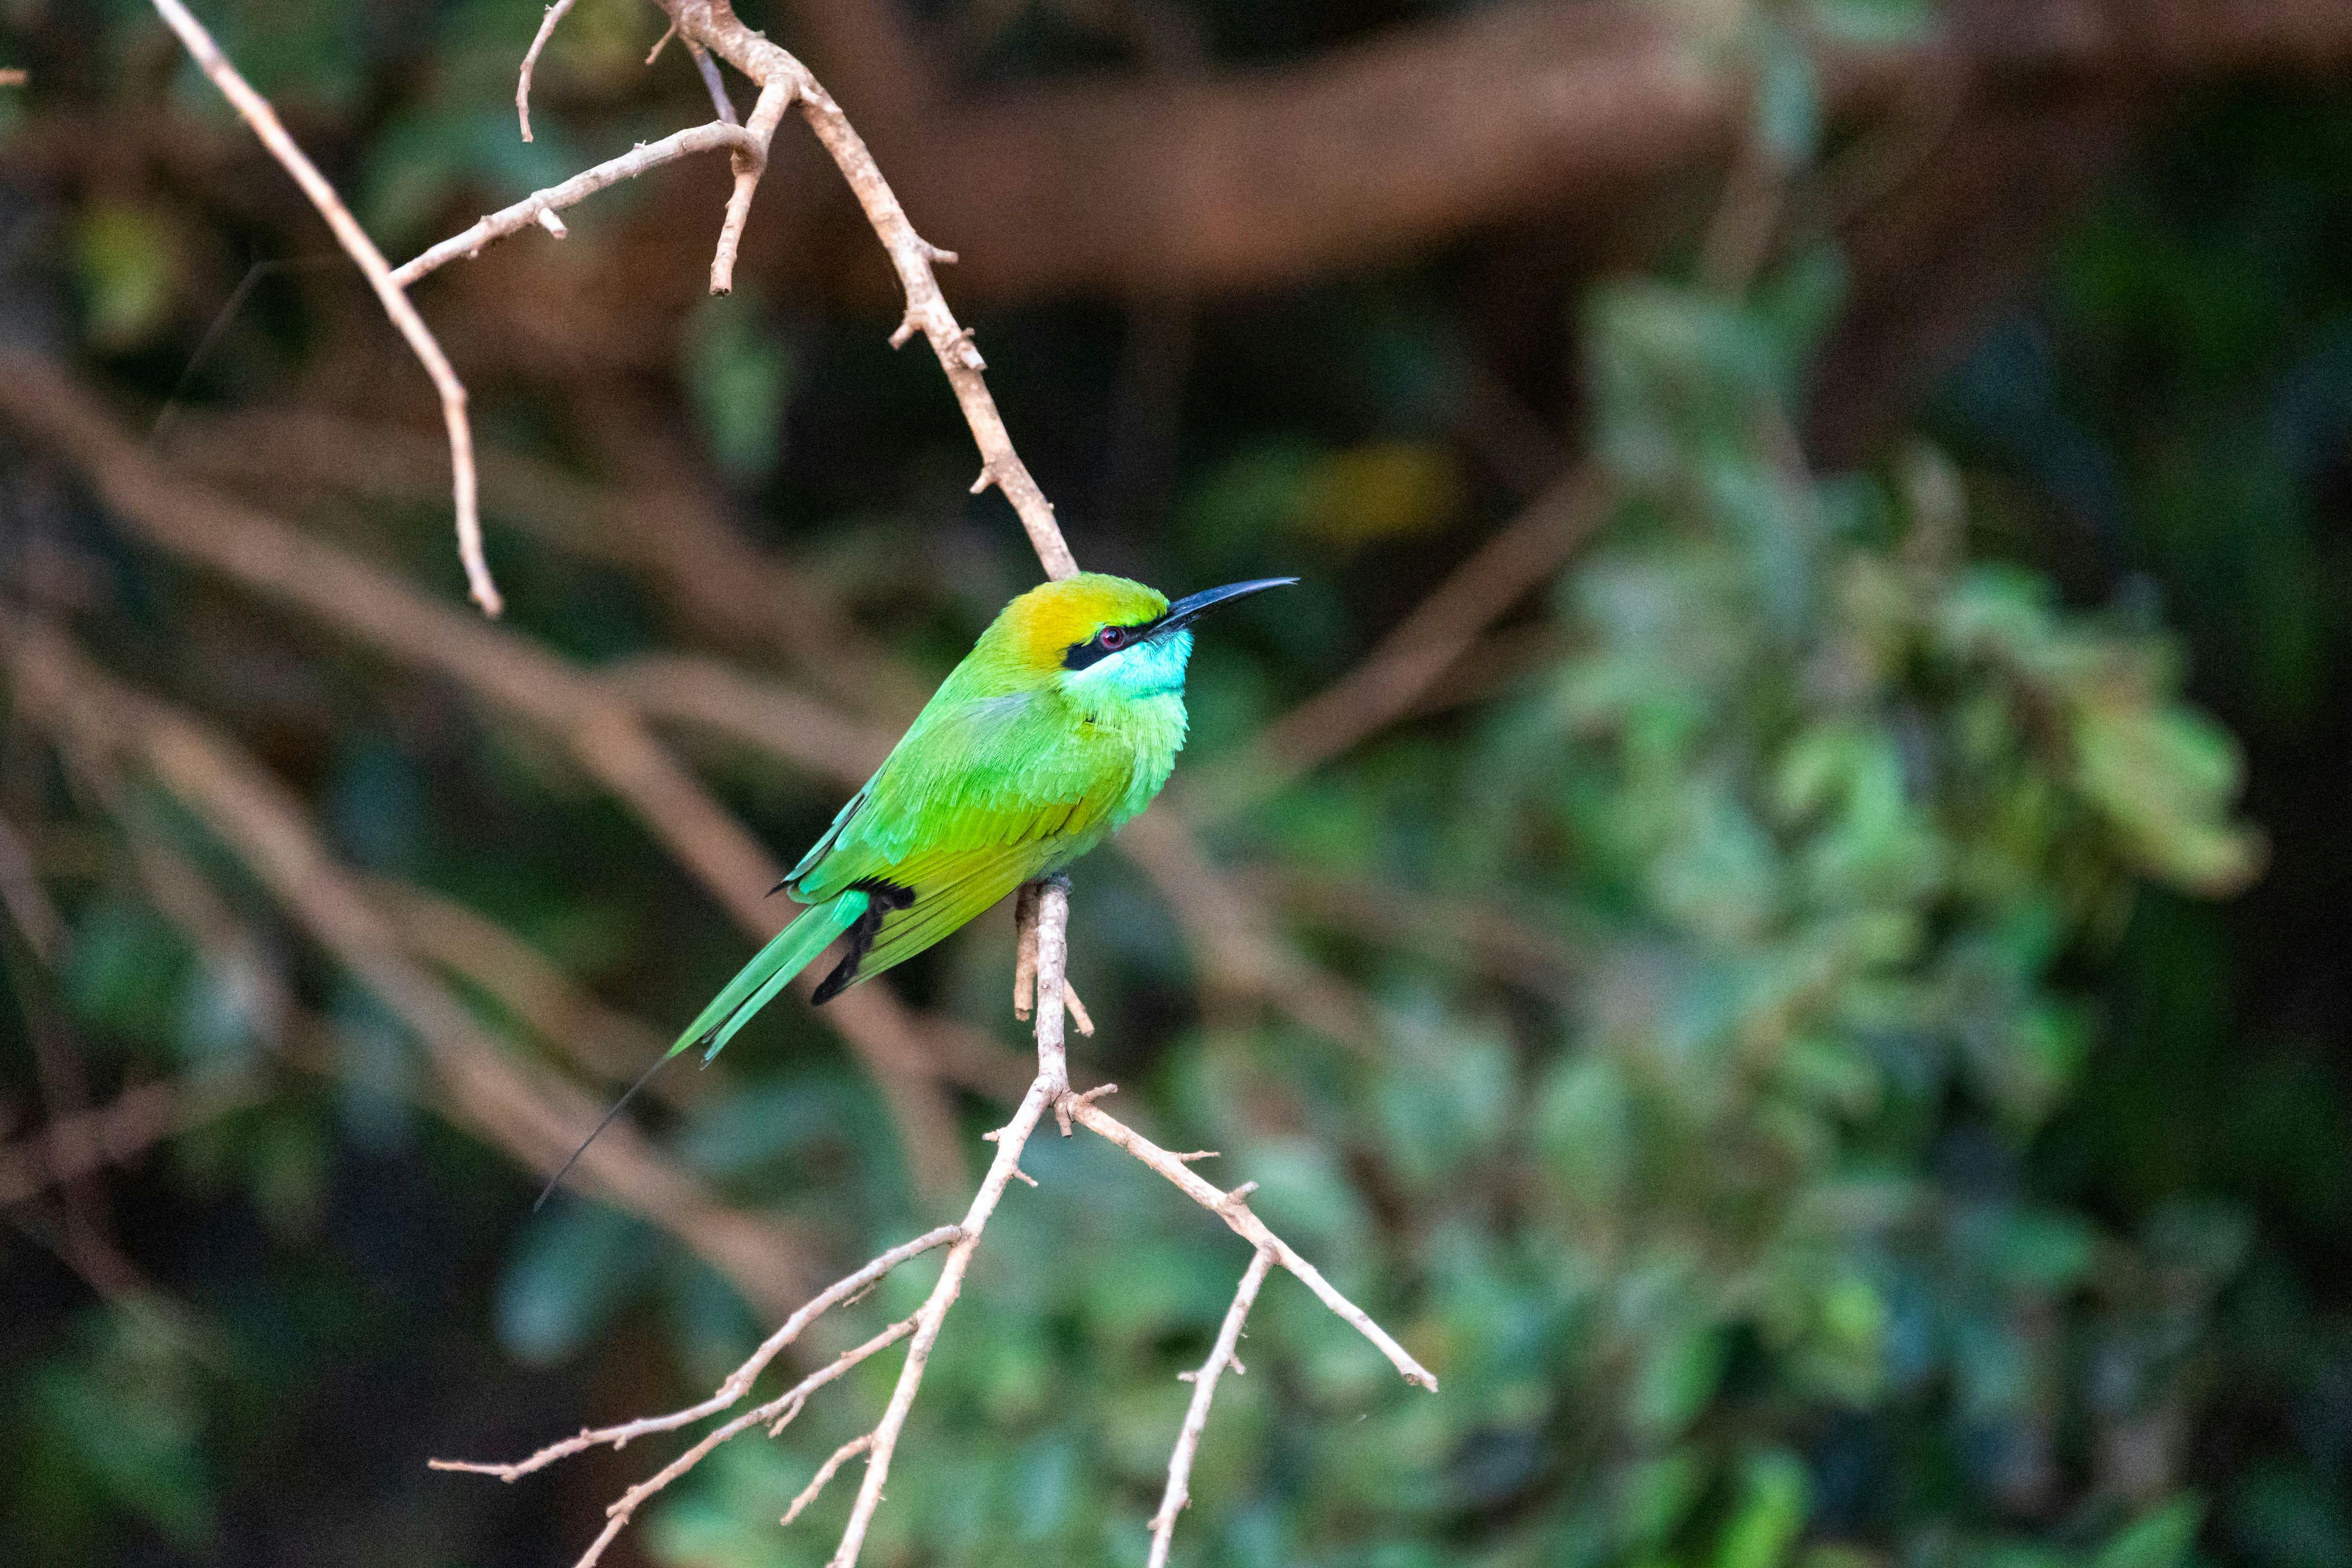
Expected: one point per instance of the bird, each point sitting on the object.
(1060, 726)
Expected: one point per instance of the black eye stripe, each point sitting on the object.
(1105, 643)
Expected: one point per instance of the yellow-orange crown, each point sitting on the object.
(1037, 628)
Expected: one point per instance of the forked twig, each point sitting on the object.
(1233, 1208)
(539, 205)
(922, 1330)
(739, 1382)
(775, 96)
(1010, 1141)
(1024, 964)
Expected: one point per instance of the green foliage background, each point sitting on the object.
(1907, 1123)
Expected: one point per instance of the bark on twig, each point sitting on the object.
(1026, 958)
(808, 1494)
(775, 96)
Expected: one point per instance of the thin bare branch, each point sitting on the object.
(1179, 1496)
(739, 1382)
(779, 1410)
(714, 24)
(775, 96)
(1010, 1140)
(824, 1473)
(1051, 934)
(541, 205)
(1233, 1208)
(555, 14)
(257, 113)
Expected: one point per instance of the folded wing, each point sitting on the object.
(980, 796)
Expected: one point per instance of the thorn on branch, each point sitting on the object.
(1021, 1176)
(551, 224)
(907, 327)
(663, 42)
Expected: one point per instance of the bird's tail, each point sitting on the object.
(793, 949)
(790, 951)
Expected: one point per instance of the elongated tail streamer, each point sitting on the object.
(793, 949)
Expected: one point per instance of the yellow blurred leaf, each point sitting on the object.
(126, 263)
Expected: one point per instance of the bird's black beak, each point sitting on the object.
(1188, 608)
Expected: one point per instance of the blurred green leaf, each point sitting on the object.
(1768, 1514)
(2162, 1537)
(739, 370)
(128, 265)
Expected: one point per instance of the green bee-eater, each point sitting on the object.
(1060, 725)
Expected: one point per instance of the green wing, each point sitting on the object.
(980, 796)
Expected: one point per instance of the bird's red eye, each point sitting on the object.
(1114, 637)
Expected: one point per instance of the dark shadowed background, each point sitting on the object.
(1774, 904)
